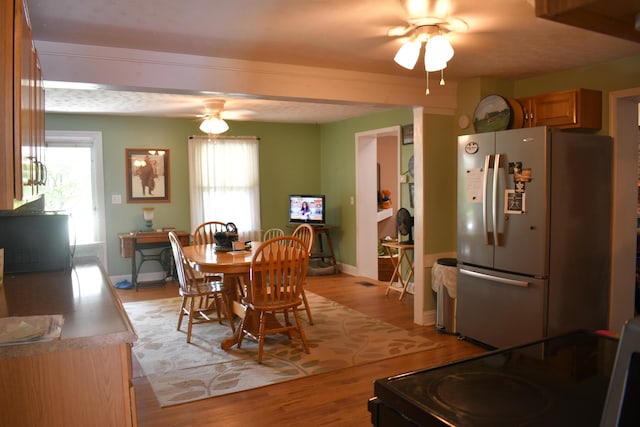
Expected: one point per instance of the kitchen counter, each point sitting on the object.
(93, 315)
(83, 378)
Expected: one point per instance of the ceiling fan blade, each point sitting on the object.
(399, 31)
(237, 114)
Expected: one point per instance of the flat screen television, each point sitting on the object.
(307, 209)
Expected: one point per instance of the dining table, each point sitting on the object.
(235, 267)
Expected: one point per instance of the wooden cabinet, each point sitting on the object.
(22, 107)
(570, 109)
(85, 378)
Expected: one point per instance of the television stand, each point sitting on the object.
(325, 257)
(329, 256)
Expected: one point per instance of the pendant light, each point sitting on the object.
(214, 125)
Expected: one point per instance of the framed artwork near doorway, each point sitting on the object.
(147, 172)
(407, 134)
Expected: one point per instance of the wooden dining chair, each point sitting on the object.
(203, 300)
(204, 232)
(305, 233)
(203, 235)
(278, 270)
(271, 233)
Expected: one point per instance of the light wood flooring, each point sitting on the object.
(333, 399)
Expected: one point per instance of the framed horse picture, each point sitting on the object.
(147, 175)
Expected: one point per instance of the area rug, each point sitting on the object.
(179, 372)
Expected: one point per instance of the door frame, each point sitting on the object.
(623, 128)
(364, 141)
(366, 204)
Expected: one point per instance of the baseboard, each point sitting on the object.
(429, 318)
(142, 277)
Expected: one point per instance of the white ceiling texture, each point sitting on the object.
(503, 39)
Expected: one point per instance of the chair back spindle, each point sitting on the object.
(204, 232)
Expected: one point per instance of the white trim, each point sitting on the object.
(94, 139)
(623, 128)
(366, 206)
(419, 227)
(428, 318)
(163, 71)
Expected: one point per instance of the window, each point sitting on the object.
(224, 183)
(75, 185)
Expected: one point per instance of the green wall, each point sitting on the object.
(288, 164)
(321, 158)
(440, 171)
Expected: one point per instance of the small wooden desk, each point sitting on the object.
(139, 241)
(403, 249)
(234, 265)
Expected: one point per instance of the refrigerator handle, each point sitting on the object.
(494, 201)
(496, 279)
(485, 183)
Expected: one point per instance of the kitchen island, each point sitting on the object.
(83, 378)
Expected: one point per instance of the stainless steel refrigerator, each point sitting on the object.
(533, 234)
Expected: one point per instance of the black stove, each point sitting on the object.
(558, 381)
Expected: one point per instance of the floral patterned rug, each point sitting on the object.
(179, 372)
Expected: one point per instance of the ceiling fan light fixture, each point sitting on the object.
(433, 63)
(214, 125)
(407, 55)
(439, 47)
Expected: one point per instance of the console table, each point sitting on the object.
(141, 241)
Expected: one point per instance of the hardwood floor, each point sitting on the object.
(333, 399)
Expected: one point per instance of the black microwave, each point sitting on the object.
(35, 242)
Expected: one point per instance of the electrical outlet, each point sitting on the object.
(403, 178)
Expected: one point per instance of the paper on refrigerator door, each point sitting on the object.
(473, 185)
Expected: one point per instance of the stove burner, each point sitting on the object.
(490, 396)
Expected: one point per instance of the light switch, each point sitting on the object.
(116, 199)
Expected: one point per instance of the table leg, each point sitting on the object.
(405, 281)
(249, 318)
(134, 271)
(231, 282)
(397, 273)
(396, 269)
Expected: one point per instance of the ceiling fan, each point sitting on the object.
(426, 24)
(215, 113)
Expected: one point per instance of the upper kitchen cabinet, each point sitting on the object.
(570, 109)
(21, 107)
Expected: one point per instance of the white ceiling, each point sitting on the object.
(504, 39)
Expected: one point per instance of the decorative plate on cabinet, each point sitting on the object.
(495, 113)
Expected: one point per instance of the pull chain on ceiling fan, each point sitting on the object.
(430, 30)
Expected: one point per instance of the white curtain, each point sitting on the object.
(224, 183)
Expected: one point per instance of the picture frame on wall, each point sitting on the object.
(147, 172)
(407, 134)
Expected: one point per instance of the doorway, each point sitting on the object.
(366, 196)
(75, 184)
